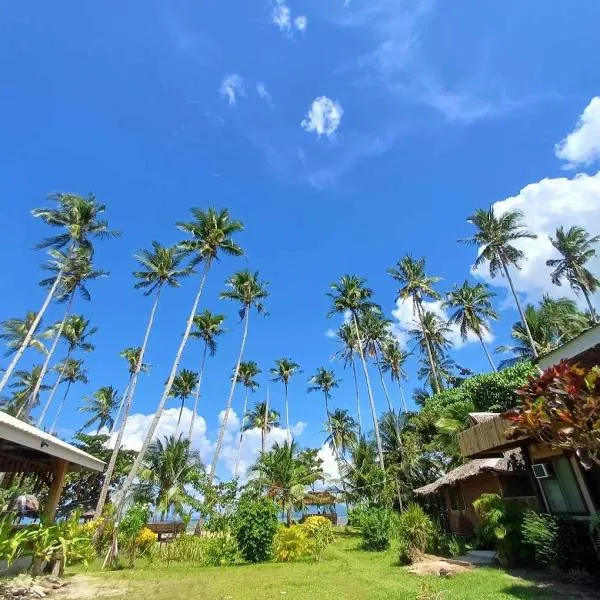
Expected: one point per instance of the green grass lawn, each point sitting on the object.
(345, 573)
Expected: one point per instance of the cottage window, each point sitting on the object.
(457, 501)
(561, 489)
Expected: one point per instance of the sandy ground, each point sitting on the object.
(82, 587)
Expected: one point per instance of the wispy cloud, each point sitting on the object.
(282, 16)
(232, 86)
(263, 93)
(582, 146)
(324, 117)
(301, 23)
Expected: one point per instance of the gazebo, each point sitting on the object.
(324, 499)
(26, 451)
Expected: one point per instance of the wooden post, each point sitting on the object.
(60, 470)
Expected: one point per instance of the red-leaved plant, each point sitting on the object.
(561, 408)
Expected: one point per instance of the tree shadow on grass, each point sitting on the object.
(548, 587)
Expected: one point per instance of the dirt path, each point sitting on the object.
(82, 587)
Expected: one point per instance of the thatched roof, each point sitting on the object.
(481, 417)
(320, 499)
(509, 463)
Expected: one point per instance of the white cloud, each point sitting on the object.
(329, 466)
(406, 319)
(331, 333)
(232, 86)
(301, 22)
(582, 145)
(138, 424)
(281, 16)
(324, 117)
(546, 205)
(263, 93)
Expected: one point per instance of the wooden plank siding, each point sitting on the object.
(487, 438)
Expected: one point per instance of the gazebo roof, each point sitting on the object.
(320, 499)
(22, 444)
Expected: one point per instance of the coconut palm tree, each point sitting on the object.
(24, 383)
(183, 387)
(263, 418)
(393, 359)
(576, 248)
(101, 405)
(72, 372)
(76, 334)
(132, 356)
(363, 477)
(552, 323)
(246, 288)
(208, 327)
(211, 234)
(284, 369)
(171, 467)
(75, 271)
(246, 377)
(473, 311)
(342, 431)
(495, 237)
(350, 294)
(80, 221)
(417, 285)
(348, 352)
(432, 333)
(324, 381)
(16, 330)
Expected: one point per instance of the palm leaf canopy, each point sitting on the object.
(246, 288)
(246, 374)
(473, 308)
(208, 326)
(323, 381)
(15, 331)
(284, 369)
(161, 266)
(184, 384)
(350, 294)
(132, 356)
(415, 283)
(76, 333)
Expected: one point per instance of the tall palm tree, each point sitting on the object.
(342, 431)
(350, 294)
(24, 383)
(183, 387)
(431, 333)
(246, 376)
(246, 288)
(473, 311)
(495, 236)
(80, 221)
(552, 323)
(416, 285)
(211, 234)
(170, 467)
(72, 372)
(16, 330)
(75, 332)
(347, 353)
(284, 369)
(393, 359)
(264, 418)
(208, 327)
(324, 381)
(576, 248)
(132, 356)
(101, 405)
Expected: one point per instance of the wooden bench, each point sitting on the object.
(167, 531)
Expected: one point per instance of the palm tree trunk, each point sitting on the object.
(49, 356)
(120, 410)
(393, 416)
(287, 415)
(53, 391)
(265, 428)
(357, 396)
(137, 463)
(60, 408)
(197, 394)
(404, 407)
(26, 341)
(243, 424)
(523, 319)
(213, 467)
(487, 352)
(180, 413)
(332, 433)
(126, 408)
(436, 380)
(589, 303)
(369, 392)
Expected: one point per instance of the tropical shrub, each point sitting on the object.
(130, 527)
(319, 531)
(13, 544)
(355, 516)
(376, 529)
(416, 530)
(500, 527)
(560, 408)
(220, 551)
(540, 532)
(107, 526)
(255, 524)
(445, 544)
(290, 543)
(404, 554)
(145, 539)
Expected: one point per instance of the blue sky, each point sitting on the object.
(343, 134)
